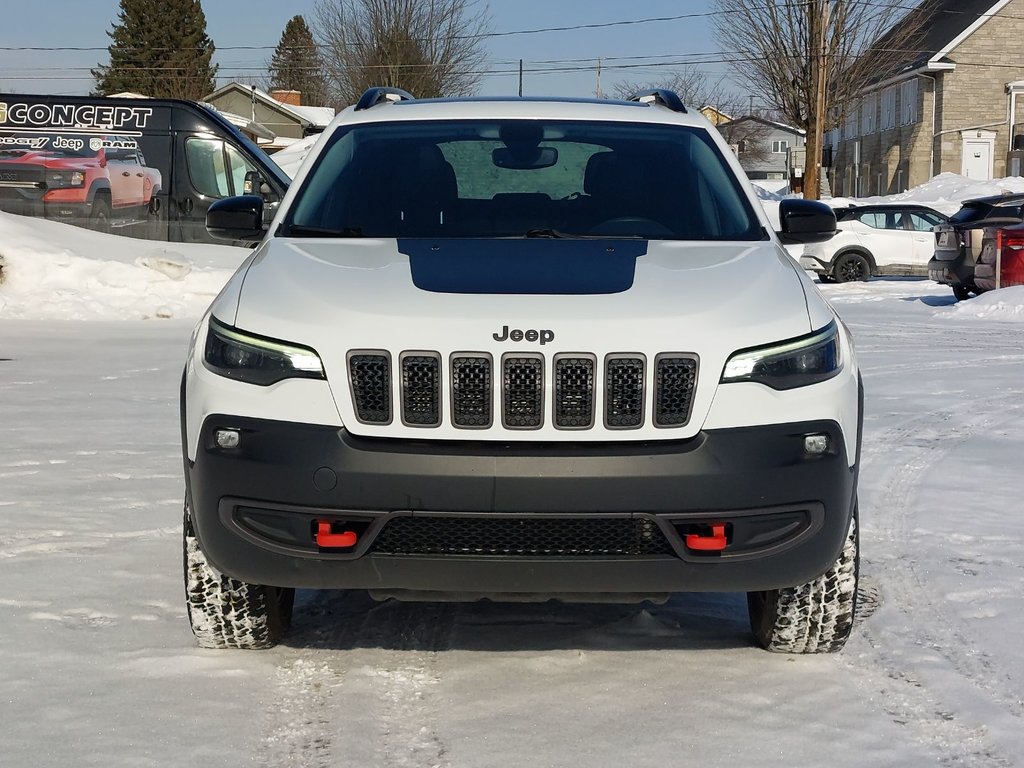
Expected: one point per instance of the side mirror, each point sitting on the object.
(236, 218)
(805, 221)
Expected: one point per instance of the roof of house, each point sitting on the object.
(318, 117)
(940, 26)
(765, 121)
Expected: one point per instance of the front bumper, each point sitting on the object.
(256, 507)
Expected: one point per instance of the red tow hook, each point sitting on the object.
(324, 537)
(714, 543)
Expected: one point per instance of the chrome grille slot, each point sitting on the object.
(421, 389)
(624, 391)
(370, 377)
(574, 391)
(471, 391)
(675, 380)
(522, 391)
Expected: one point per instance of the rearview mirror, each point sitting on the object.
(536, 157)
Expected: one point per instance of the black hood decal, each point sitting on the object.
(561, 266)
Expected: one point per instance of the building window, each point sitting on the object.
(868, 108)
(908, 102)
(888, 108)
(741, 146)
(850, 126)
(780, 147)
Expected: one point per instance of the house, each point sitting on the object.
(282, 112)
(763, 146)
(948, 104)
(714, 115)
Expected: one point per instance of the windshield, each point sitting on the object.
(517, 178)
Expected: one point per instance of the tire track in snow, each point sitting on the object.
(351, 646)
(414, 633)
(914, 446)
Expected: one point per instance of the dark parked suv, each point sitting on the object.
(970, 246)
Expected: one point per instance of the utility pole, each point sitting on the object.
(597, 92)
(819, 58)
(520, 77)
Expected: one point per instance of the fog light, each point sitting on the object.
(816, 445)
(226, 438)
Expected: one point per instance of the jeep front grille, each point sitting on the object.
(522, 392)
(624, 392)
(517, 389)
(421, 389)
(675, 379)
(574, 392)
(471, 391)
(523, 536)
(370, 375)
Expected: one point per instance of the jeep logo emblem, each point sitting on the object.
(517, 334)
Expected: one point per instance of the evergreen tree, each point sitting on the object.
(159, 48)
(296, 64)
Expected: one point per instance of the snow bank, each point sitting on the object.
(944, 193)
(1006, 304)
(52, 271)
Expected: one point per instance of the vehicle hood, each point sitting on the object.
(705, 298)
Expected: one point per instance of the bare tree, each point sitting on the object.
(692, 85)
(428, 47)
(813, 58)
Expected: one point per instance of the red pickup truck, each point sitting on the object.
(99, 180)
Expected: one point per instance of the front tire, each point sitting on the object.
(225, 612)
(961, 292)
(851, 267)
(99, 220)
(816, 617)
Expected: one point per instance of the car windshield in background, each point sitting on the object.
(515, 178)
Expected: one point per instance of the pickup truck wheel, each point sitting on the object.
(815, 617)
(227, 613)
(100, 217)
(850, 267)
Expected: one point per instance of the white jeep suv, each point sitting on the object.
(520, 348)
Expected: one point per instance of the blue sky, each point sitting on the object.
(83, 24)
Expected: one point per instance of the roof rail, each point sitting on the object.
(662, 96)
(380, 94)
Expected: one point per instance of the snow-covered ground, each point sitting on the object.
(98, 667)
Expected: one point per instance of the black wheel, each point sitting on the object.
(961, 292)
(816, 617)
(227, 613)
(99, 219)
(850, 267)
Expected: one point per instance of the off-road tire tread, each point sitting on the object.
(225, 612)
(816, 617)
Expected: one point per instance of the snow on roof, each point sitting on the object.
(318, 116)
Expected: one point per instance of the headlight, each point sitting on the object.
(62, 179)
(257, 360)
(789, 364)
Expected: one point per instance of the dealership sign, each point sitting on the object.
(80, 117)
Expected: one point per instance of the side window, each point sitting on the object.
(206, 167)
(882, 219)
(923, 222)
(238, 167)
(873, 220)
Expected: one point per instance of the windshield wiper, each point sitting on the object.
(558, 234)
(299, 230)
